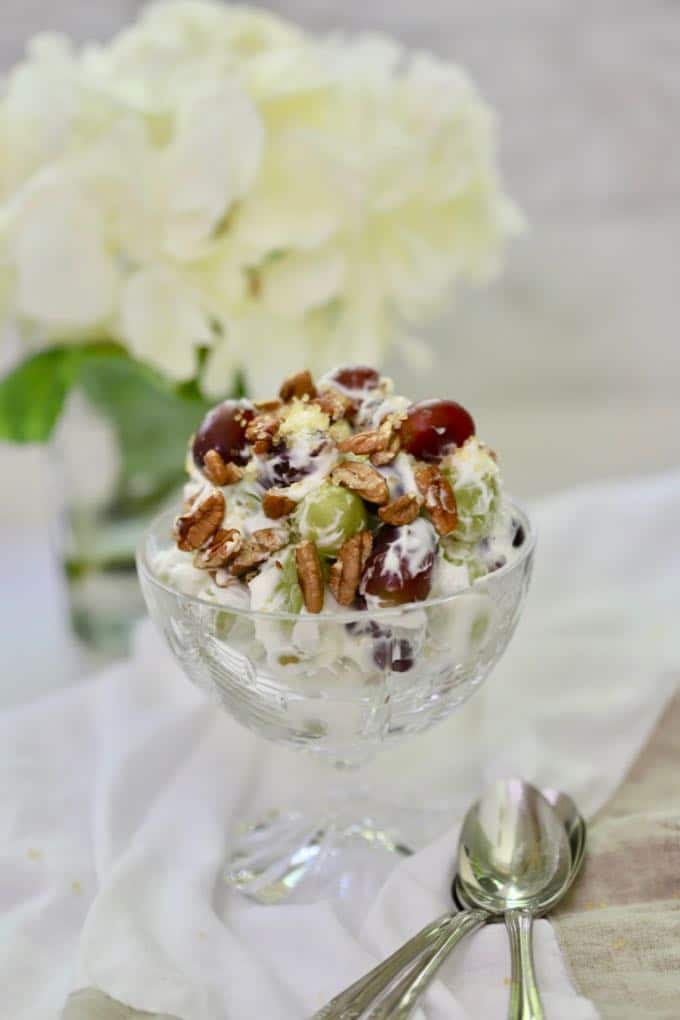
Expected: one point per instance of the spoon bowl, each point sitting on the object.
(575, 831)
(514, 852)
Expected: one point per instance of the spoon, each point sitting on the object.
(426, 951)
(514, 859)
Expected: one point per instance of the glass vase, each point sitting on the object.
(117, 456)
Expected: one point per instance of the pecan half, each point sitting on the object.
(250, 556)
(201, 520)
(299, 385)
(389, 430)
(261, 431)
(363, 443)
(269, 539)
(362, 479)
(256, 550)
(439, 497)
(402, 510)
(219, 549)
(335, 404)
(267, 406)
(218, 472)
(310, 576)
(345, 574)
(276, 505)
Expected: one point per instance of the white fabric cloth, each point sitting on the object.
(117, 796)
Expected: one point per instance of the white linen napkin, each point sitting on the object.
(117, 796)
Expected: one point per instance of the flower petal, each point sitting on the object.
(65, 276)
(210, 163)
(296, 282)
(162, 322)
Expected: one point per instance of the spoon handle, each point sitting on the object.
(525, 1002)
(401, 1000)
(353, 1002)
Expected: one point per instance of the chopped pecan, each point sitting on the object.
(335, 404)
(276, 505)
(439, 497)
(267, 406)
(201, 520)
(310, 576)
(257, 549)
(269, 539)
(345, 574)
(389, 430)
(218, 472)
(219, 549)
(250, 556)
(402, 510)
(363, 443)
(299, 385)
(261, 431)
(362, 479)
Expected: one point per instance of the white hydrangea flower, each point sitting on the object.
(65, 275)
(217, 177)
(162, 322)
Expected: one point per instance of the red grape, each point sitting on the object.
(287, 465)
(356, 377)
(432, 427)
(399, 569)
(224, 429)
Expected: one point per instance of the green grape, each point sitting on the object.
(329, 516)
(288, 594)
(464, 554)
(474, 476)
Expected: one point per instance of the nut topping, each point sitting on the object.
(261, 431)
(267, 406)
(201, 520)
(310, 576)
(363, 443)
(345, 574)
(269, 539)
(439, 497)
(402, 510)
(335, 404)
(299, 385)
(219, 550)
(362, 479)
(250, 556)
(276, 505)
(219, 473)
(389, 430)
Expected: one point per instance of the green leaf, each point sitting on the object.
(152, 420)
(32, 395)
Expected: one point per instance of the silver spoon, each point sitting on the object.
(514, 859)
(427, 950)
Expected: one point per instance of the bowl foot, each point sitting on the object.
(301, 858)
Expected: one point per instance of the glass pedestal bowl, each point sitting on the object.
(338, 685)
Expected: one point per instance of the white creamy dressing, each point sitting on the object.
(263, 588)
(399, 476)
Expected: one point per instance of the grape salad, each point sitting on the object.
(338, 495)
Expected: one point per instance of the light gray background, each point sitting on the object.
(571, 361)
